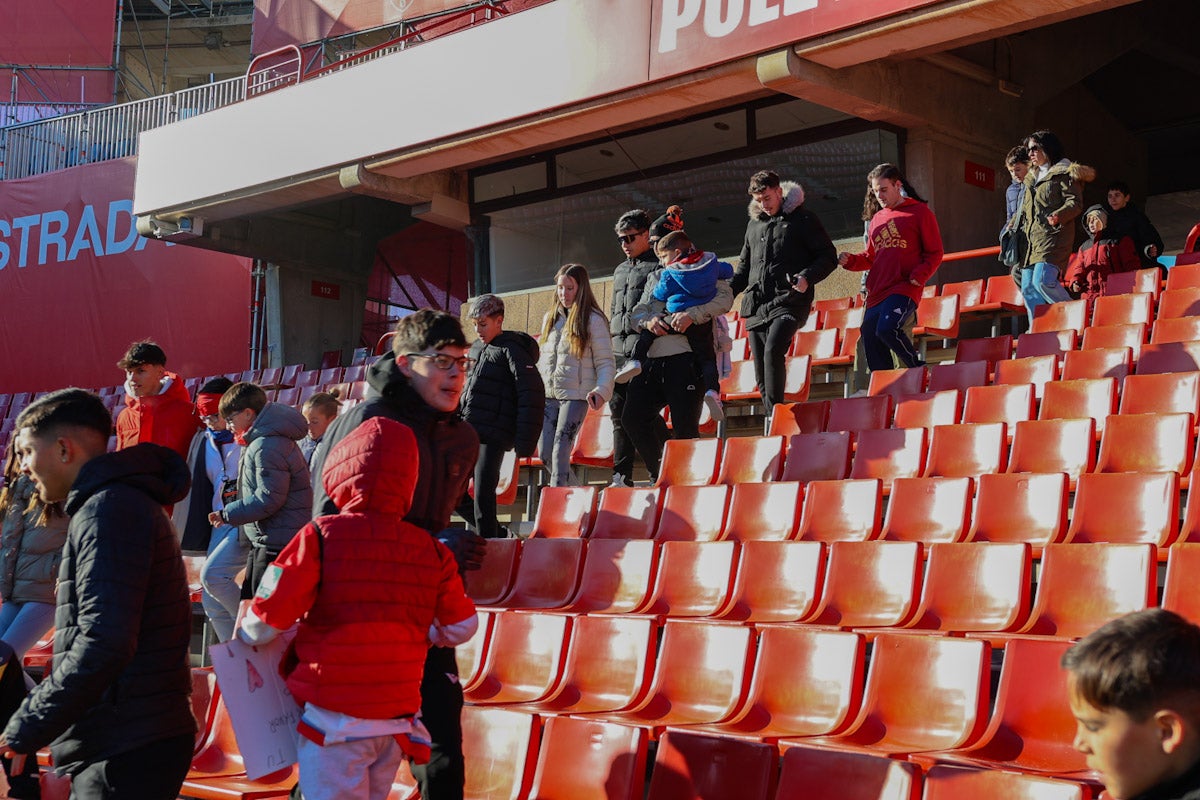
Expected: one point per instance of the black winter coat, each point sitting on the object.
(776, 250)
(629, 280)
(120, 677)
(446, 444)
(1131, 221)
(505, 399)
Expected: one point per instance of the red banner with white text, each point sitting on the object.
(77, 285)
(64, 49)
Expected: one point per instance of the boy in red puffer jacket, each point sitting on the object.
(372, 593)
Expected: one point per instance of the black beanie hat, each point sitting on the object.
(670, 221)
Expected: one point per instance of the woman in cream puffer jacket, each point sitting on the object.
(577, 366)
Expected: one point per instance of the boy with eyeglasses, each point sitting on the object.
(419, 384)
(274, 490)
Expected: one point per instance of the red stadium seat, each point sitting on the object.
(1126, 507)
(927, 409)
(859, 413)
(1054, 445)
(616, 578)
(1123, 309)
(489, 584)
(1165, 393)
(684, 768)
(1169, 357)
(869, 585)
(991, 349)
(751, 459)
(1132, 336)
(974, 586)
(763, 511)
(1147, 280)
(788, 419)
(689, 462)
(626, 513)
(1146, 443)
(524, 658)
(587, 759)
(1007, 404)
(692, 514)
(1094, 398)
(959, 375)
(1046, 343)
(928, 510)
(548, 572)
(812, 773)
(897, 382)
(564, 512)
(967, 450)
(470, 654)
(951, 783)
(841, 511)
(1179, 588)
(1069, 315)
(694, 579)
(1037, 370)
(500, 751)
(818, 457)
(1104, 362)
(775, 582)
(890, 454)
(1175, 329)
(1179, 303)
(1022, 508)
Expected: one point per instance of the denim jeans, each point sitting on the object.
(222, 594)
(22, 624)
(1040, 285)
(560, 426)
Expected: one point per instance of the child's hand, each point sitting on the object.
(215, 520)
(843, 259)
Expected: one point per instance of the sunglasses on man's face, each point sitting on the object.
(628, 237)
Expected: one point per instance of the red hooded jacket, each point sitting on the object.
(168, 419)
(365, 585)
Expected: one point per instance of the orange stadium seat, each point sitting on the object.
(1009, 404)
(947, 708)
(809, 772)
(547, 575)
(1179, 587)
(1123, 309)
(616, 577)
(927, 409)
(993, 350)
(683, 768)
(470, 654)
(1037, 370)
(751, 459)
(741, 386)
(775, 582)
(959, 375)
(897, 382)
(694, 579)
(1094, 398)
(1069, 315)
(806, 682)
(1020, 507)
(869, 585)
(1179, 303)
(564, 512)
(692, 514)
(1183, 276)
(524, 658)
(1046, 343)
(818, 457)
(945, 782)
(1169, 357)
(1175, 329)
(626, 513)
(937, 317)
(1131, 335)
(1054, 445)
(928, 510)
(587, 759)
(1126, 507)
(889, 454)
(594, 443)
(489, 584)
(763, 511)
(500, 751)
(788, 419)
(1164, 393)
(1102, 362)
(689, 462)
(841, 511)
(1146, 443)
(974, 586)
(967, 450)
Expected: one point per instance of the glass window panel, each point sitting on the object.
(509, 182)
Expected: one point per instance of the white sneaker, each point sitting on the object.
(617, 479)
(631, 370)
(715, 409)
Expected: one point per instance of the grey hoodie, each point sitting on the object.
(274, 485)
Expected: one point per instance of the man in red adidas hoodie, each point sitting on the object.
(157, 406)
(904, 249)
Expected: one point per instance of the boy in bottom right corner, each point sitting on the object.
(372, 593)
(1134, 689)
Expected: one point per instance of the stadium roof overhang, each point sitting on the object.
(403, 127)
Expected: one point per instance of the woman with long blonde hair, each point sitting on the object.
(576, 364)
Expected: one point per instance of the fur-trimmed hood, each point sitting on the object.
(1079, 172)
(793, 198)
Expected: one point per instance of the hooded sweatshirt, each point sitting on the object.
(120, 677)
(691, 281)
(371, 591)
(167, 418)
(904, 249)
(1098, 257)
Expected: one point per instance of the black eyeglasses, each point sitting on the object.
(443, 361)
(1034, 148)
(628, 237)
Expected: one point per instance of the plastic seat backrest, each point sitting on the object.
(218, 754)
(818, 343)
(489, 584)
(937, 316)
(947, 708)
(689, 462)
(590, 759)
(859, 413)
(1131, 335)
(1179, 588)
(810, 772)
(1169, 357)
(500, 750)
(684, 768)
(999, 403)
(869, 585)
(959, 375)
(524, 658)
(775, 582)
(843, 318)
(594, 443)
(1068, 315)
(740, 385)
(797, 378)
(692, 514)
(975, 586)
(626, 513)
(991, 349)
(763, 511)
(608, 665)
(1079, 398)
(1054, 445)
(1081, 588)
(890, 454)
(694, 579)
(970, 293)
(1168, 392)
(899, 382)
(751, 459)
(928, 510)
(1183, 276)
(818, 456)
(967, 450)
(1146, 443)
(564, 512)
(617, 576)
(1100, 362)
(1126, 507)
(1001, 290)
(1043, 343)
(1020, 507)
(1139, 280)
(1038, 370)
(841, 511)
(927, 409)
(1175, 329)
(1123, 309)
(788, 419)
(547, 573)
(1179, 302)
(471, 653)
(944, 782)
